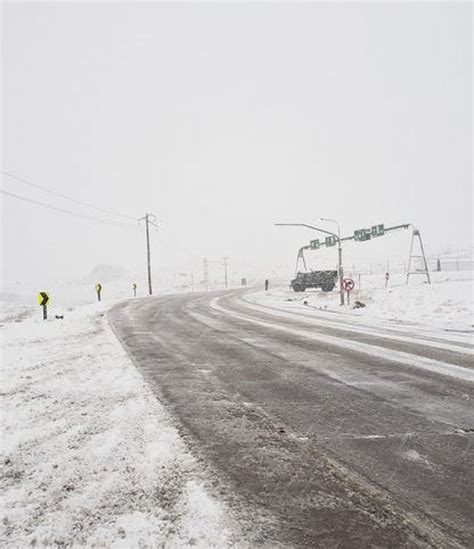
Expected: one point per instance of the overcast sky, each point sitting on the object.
(221, 120)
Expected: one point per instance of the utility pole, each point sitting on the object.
(148, 253)
(224, 262)
(205, 272)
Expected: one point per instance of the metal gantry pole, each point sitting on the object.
(425, 270)
(341, 272)
(299, 256)
(339, 253)
(424, 258)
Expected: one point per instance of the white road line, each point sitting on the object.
(450, 336)
(400, 357)
(302, 317)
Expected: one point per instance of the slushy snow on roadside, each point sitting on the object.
(89, 456)
(447, 303)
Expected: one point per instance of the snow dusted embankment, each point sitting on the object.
(90, 457)
(446, 304)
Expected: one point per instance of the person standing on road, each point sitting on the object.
(267, 283)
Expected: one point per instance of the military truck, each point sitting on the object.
(326, 280)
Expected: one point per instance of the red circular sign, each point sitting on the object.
(348, 284)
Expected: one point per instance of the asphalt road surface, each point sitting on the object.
(318, 431)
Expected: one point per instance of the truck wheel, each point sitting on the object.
(327, 288)
(297, 288)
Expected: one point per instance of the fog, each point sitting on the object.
(224, 119)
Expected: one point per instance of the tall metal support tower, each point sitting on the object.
(300, 256)
(419, 256)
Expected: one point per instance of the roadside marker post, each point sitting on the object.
(134, 290)
(98, 289)
(387, 278)
(348, 284)
(43, 299)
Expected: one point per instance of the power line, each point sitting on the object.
(60, 195)
(69, 212)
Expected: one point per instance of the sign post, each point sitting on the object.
(387, 278)
(134, 290)
(43, 299)
(348, 284)
(98, 289)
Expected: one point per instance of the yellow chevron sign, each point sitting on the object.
(43, 298)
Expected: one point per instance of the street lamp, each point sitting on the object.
(338, 236)
(339, 249)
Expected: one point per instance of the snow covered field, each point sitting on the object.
(89, 456)
(448, 303)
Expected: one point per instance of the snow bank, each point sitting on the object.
(447, 303)
(89, 456)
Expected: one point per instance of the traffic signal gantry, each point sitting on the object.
(375, 231)
(359, 235)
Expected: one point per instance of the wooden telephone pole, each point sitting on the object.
(148, 253)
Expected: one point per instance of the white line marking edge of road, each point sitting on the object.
(407, 359)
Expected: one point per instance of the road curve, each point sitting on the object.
(319, 433)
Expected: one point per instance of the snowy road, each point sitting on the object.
(325, 430)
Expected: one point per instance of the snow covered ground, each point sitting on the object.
(89, 456)
(448, 303)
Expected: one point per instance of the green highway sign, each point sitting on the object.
(330, 241)
(362, 234)
(378, 230)
(314, 244)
